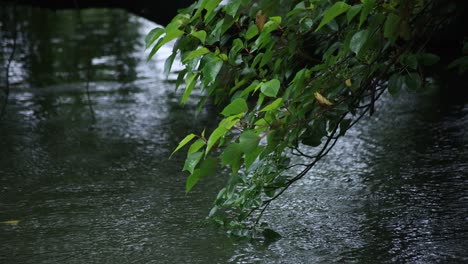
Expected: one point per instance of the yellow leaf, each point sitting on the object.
(348, 82)
(260, 20)
(11, 222)
(322, 100)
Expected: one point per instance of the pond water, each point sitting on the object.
(85, 169)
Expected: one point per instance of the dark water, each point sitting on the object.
(89, 127)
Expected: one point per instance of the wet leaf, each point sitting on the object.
(212, 68)
(183, 142)
(196, 146)
(358, 40)
(196, 53)
(235, 107)
(192, 180)
(217, 133)
(251, 32)
(274, 105)
(232, 7)
(353, 11)
(201, 35)
(192, 160)
(153, 35)
(270, 88)
(395, 83)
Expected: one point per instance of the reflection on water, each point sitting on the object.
(94, 185)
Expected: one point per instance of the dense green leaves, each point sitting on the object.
(287, 77)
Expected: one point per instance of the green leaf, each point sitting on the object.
(153, 35)
(170, 35)
(208, 166)
(358, 40)
(183, 142)
(413, 81)
(215, 34)
(353, 11)
(274, 105)
(428, 59)
(214, 137)
(196, 53)
(201, 35)
(270, 26)
(192, 180)
(211, 68)
(276, 19)
(232, 7)
(460, 63)
(395, 83)
(192, 161)
(251, 156)
(209, 6)
(270, 88)
(391, 27)
(333, 25)
(314, 134)
(199, 143)
(237, 45)
(337, 9)
(366, 9)
(232, 156)
(257, 60)
(248, 141)
(251, 32)
(191, 81)
(180, 78)
(306, 24)
(411, 61)
(168, 64)
(235, 107)
(252, 87)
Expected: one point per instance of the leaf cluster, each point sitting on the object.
(290, 78)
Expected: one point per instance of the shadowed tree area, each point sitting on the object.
(155, 11)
